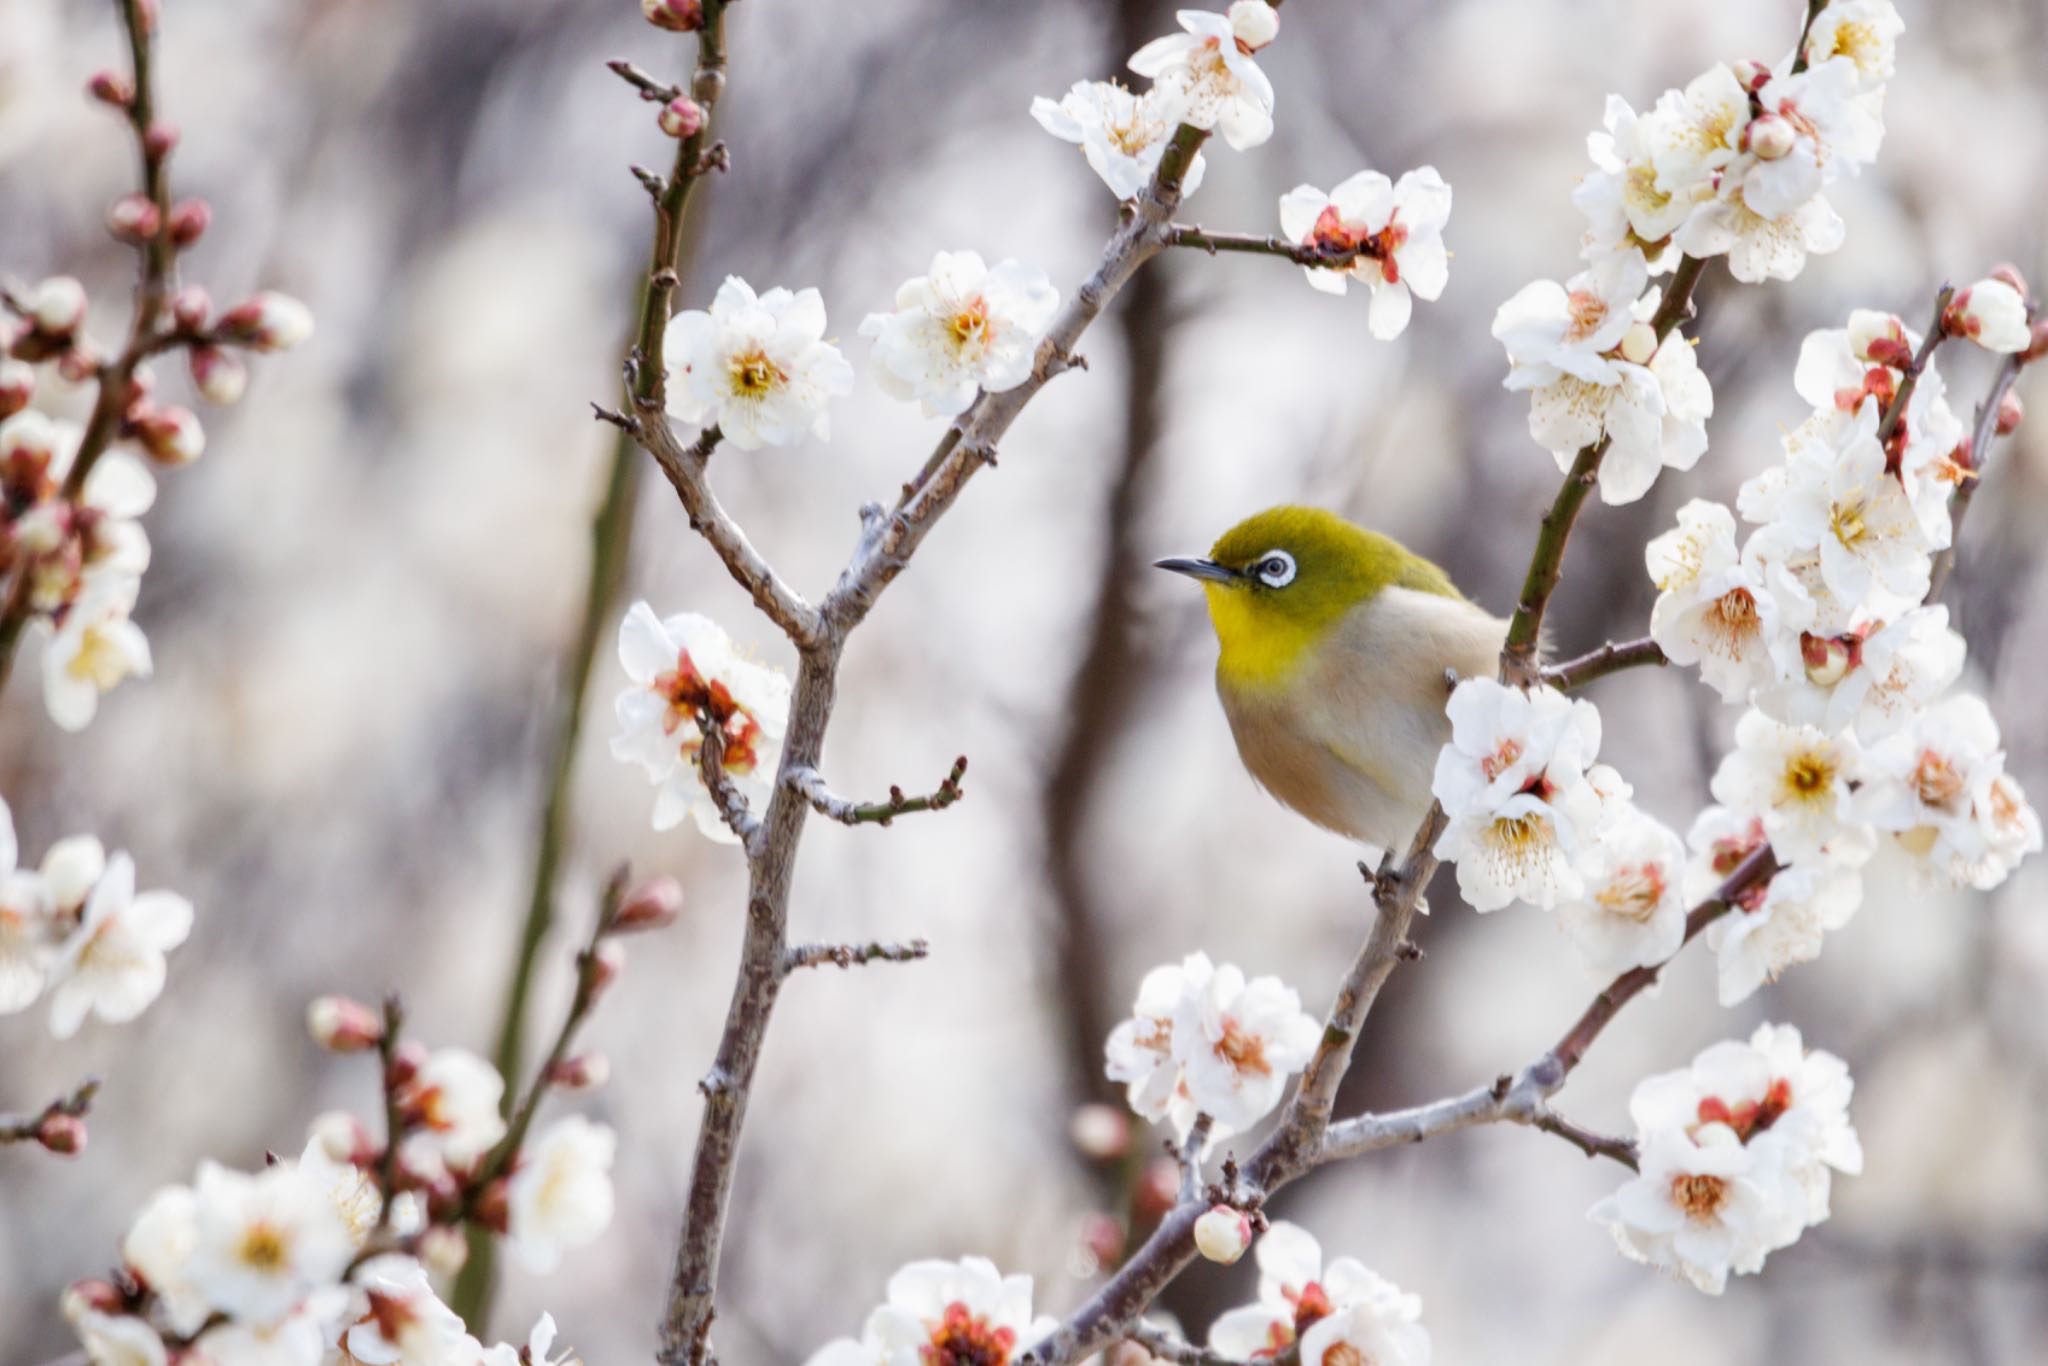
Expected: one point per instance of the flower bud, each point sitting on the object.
(2010, 413)
(1254, 23)
(2037, 342)
(2008, 273)
(1752, 75)
(443, 1250)
(267, 322)
(1872, 332)
(78, 363)
(190, 220)
(1639, 343)
(17, 386)
(1157, 1190)
(61, 1133)
(341, 1025)
(135, 218)
(406, 1061)
(682, 117)
(654, 905)
(677, 16)
(1771, 137)
(57, 305)
(191, 307)
(161, 140)
(1992, 314)
(341, 1135)
(608, 960)
(112, 88)
(1101, 1133)
(1223, 1234)
(584, 1072)
(493, 1207)
(1828, 659)
(219, 375)
(171, 436)
(91, 1297)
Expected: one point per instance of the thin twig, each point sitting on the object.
(394, 1121)
(1313, 254)
(730, 801)
(1610, 658)
(812, 786)
(1622, 1150)
(852, 955)
(29, 1128)
(1909, 380)
(1981, 437)
(650, 89)
(1169, 1346)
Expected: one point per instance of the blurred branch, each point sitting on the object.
(394, 1121)
(45, 1126)
(810, 784)
(1985, 432)
(1610, 658)
(852, 955)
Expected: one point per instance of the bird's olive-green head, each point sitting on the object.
(1278, 583)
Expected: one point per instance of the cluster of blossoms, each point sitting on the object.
(1338, 1312)
(74, 927)
(945, 1312)
(1738, 1153)
(1203, 1041)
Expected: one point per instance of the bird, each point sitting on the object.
(1338, 649)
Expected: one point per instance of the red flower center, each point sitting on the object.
(962, 1338)
(1333, 236)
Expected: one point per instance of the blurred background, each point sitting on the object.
(363, 596)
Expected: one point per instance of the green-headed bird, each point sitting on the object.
(1338, 647)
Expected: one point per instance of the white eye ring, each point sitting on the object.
(1275, 569)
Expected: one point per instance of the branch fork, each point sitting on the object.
(809, 784)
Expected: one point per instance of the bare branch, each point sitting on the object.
(46, 1125)
(1937, 333)
(1981, 437)
(1168, 1346)
(650, 89)
(731, 803)
(810, 784)
(852, 955)
(1301, 253)
(1611, 658)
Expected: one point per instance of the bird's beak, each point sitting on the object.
(1207, 570)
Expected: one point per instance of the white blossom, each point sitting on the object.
(1760, 248)
(1139, 1052)
(1214, 81)
(1121, 134)
(451, 1103)
(26, 924)
(560, 1196)
(397, 1320)
(94, 648)
(1864, 33)
(1780, 925)
(1872, 679)
(158, 1249)
(1992, 314)
(1396, 227)
(1697, 132)
(119, 1340)
(1298, 1289)
(112, 965)
(263, 1243)
(1939, 787)
(1830, 133)
(1626, 206)
(681, 668)
(1796, 780)
(964, 327)
(1632, 913)
(1238, 1042)
(539, 1343)
(757, 365)
(1703, 1206)
(1729, 613)
(1361, 1333)
(945, 1311)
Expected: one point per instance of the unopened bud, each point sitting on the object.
(406, 1061)
(2037, 342)
(1752, 75)
(219, 375)
(1223, 1234)
(61, 1133)
(17, 385)
(91, 1297)
(190, 220)
(78, 363)
(1102, 1236)
(1157, 1190)
(682, 117)
(1771, 137)
(341, 1025)
(110, 87)
(135, 218)
(1872, 332)
(1827, 659)
(607, 961)
(584, 1072)
(172, 435)
(493, 1207)
(655, 904)
(1992, 314)
(1254, 23)
(161, 140)
(677, 16)
(1101, 1133)
(443, 1250)
(267, 322)
(2008, 273)
(58, 306)
(2010, 413)
(191, 306)
(1639, 343)
(341, 1136)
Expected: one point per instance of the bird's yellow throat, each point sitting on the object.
(1261, 649)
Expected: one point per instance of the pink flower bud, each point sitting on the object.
(1101, 1133)
(135, 218)
(443, 1250)
(78, 363)
(190, 220)
(1102, 1236)
(1223, 1234)
(608, 961)
(172, 435)
(161, 140)
(267, 322)
(17, 386)
(682, 117)
(219, 375)
(1992, 314)
(1771, 137)
(341, 1025)
(191, 307)
(1254, 23)
(654, 905)
(110, 87)
(1157, 1190)
(1639, 343)
(61, 1133)
(343, 1137)
(1752, 75)
(677, 16)
(2008, 273)
(1827, 659)
(2010, 413)
(57, 305)
(584, 1072)
(91, 1297)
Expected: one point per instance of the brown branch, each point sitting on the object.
(1981, 437)
(1314, 254)
(44, 1126)
(650, 89)
(394, 1121)
(730, 801)
(1610, 658)
(852, 955)
(1622, 1150)
(1937, 333)
(811, 785)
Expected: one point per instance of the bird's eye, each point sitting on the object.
(1275, 569)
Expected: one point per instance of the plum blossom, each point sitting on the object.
(1298, 1290)
(560, 1197)
(118, 1339)
(945, 1312)
(1121, 134)
(1871, 679)
(1552, 330)
(95, 647)
(1140, 1050)
(1938, 786)
(1992, 314)
(1818, 129)
(1780, 925)
(395, 1319)
(962, 328)
(1632, 913)
(1210, 75)
(1703, 1206)
(112, 964)
(1238, 1042)
(1626, 206)
(1396, 229)
(758, 365)
(1760, 248)
(539, 1344)
(25, 924)
(159, 1247)
(1797, 781)
(1695, 133)
(1731, 614)
(262, 1244)
(1513, 785)
(1863, 33)
(451, 1104)
(1361, 1332)
(684, 668)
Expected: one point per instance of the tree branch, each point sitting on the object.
(802, 956)
(811, 785)
(1611, 658)
(1937, 333)
(1312, 254)
(731, 803)
(1981, 437)
(37, 1128)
